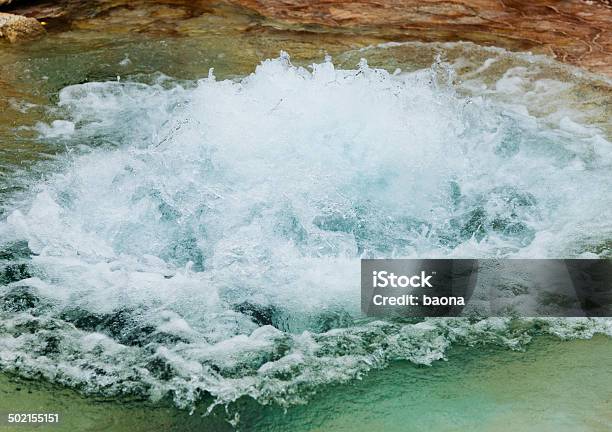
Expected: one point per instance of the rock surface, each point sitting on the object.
(573, 31)
(16, 28)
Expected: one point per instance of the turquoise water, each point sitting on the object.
(552, 386)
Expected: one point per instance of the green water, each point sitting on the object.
(553, 386)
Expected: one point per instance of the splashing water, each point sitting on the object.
(205, 238)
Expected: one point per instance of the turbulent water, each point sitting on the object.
(204, 237)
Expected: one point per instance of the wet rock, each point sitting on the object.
(16, 28)
(37, 325)
(603, 249)
(160, 368)
(123, 325)
(15, 250)
(575, 32)
(50, 345)
(150, 335)
(259, 314)
(83, 319)
(19, 299)
(13, 273)
(331, 319)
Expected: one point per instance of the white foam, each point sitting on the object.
(57, 128)
(215, 213)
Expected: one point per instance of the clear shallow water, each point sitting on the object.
(552, 386)
(203, 238)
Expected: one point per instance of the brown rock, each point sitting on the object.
(574, 31)
(16, 28)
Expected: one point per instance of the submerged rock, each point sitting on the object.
(259, 314)
(16, 28)
(19, 299)
(123, 325)
(15, 250)
(13, 273)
